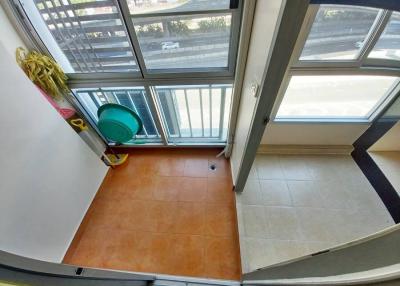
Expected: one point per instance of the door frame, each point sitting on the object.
(291, 18)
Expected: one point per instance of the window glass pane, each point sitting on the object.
(83, 36)
(338, 32)
(388, 45)
(196, 112)
(168, 6)
(133, 97)
(393, 111)
(195, 41)
(310, 97)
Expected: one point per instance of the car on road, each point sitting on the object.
(359, 44)
(169, 45)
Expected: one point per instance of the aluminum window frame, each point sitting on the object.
(143, 73)
(361, 65)
(32, 36)
(186, 72)
(151, 96)
(143, 78)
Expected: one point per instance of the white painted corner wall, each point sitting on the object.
(388, 142)
(49, 176)
(312, 133)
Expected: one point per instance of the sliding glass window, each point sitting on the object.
(331, 76)
(388, 45)
(184, 42)
(139, 37)
(170, 61)
(83, 36)
(338, 32)
(334, 97)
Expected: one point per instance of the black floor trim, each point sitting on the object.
(374, 174)
(378, 180)
(374, 133)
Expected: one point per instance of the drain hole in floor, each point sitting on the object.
(213, 167)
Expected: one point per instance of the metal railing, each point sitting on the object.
(189, 114)
(195, 113)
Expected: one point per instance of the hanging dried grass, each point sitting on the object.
(43, 71)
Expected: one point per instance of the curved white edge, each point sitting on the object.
(378, 234)
(364, 277)
(24, 264)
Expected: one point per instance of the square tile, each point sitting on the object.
(268, 167)
(335, 194)
(305, 194)
(196, 167)
(282, 223)
(220, 191)
(220, 220)
(251, 194)
(294, 167)
(189, 255)
(153, 252)
(221, 258)
(119, 252)
(192, 189)
(166, 188)
(139, 188)
(136, 215)
(363, 196)
(90, 251)
(323, 167)
(170, 166)
(254, 221)
(316, 224)
(190, 218)
(165, 216)
(275, 193)
(260, 253)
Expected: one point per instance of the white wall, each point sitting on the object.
(312, 134)
(48, 176)
(390, 141)
(265, 20)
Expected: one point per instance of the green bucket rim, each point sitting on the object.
(104, 106)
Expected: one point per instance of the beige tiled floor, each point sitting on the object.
(296, 205)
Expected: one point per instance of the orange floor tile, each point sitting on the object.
(163, 211)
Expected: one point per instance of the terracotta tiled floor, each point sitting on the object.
(163, 211)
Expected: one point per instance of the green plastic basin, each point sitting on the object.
(118, 123)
